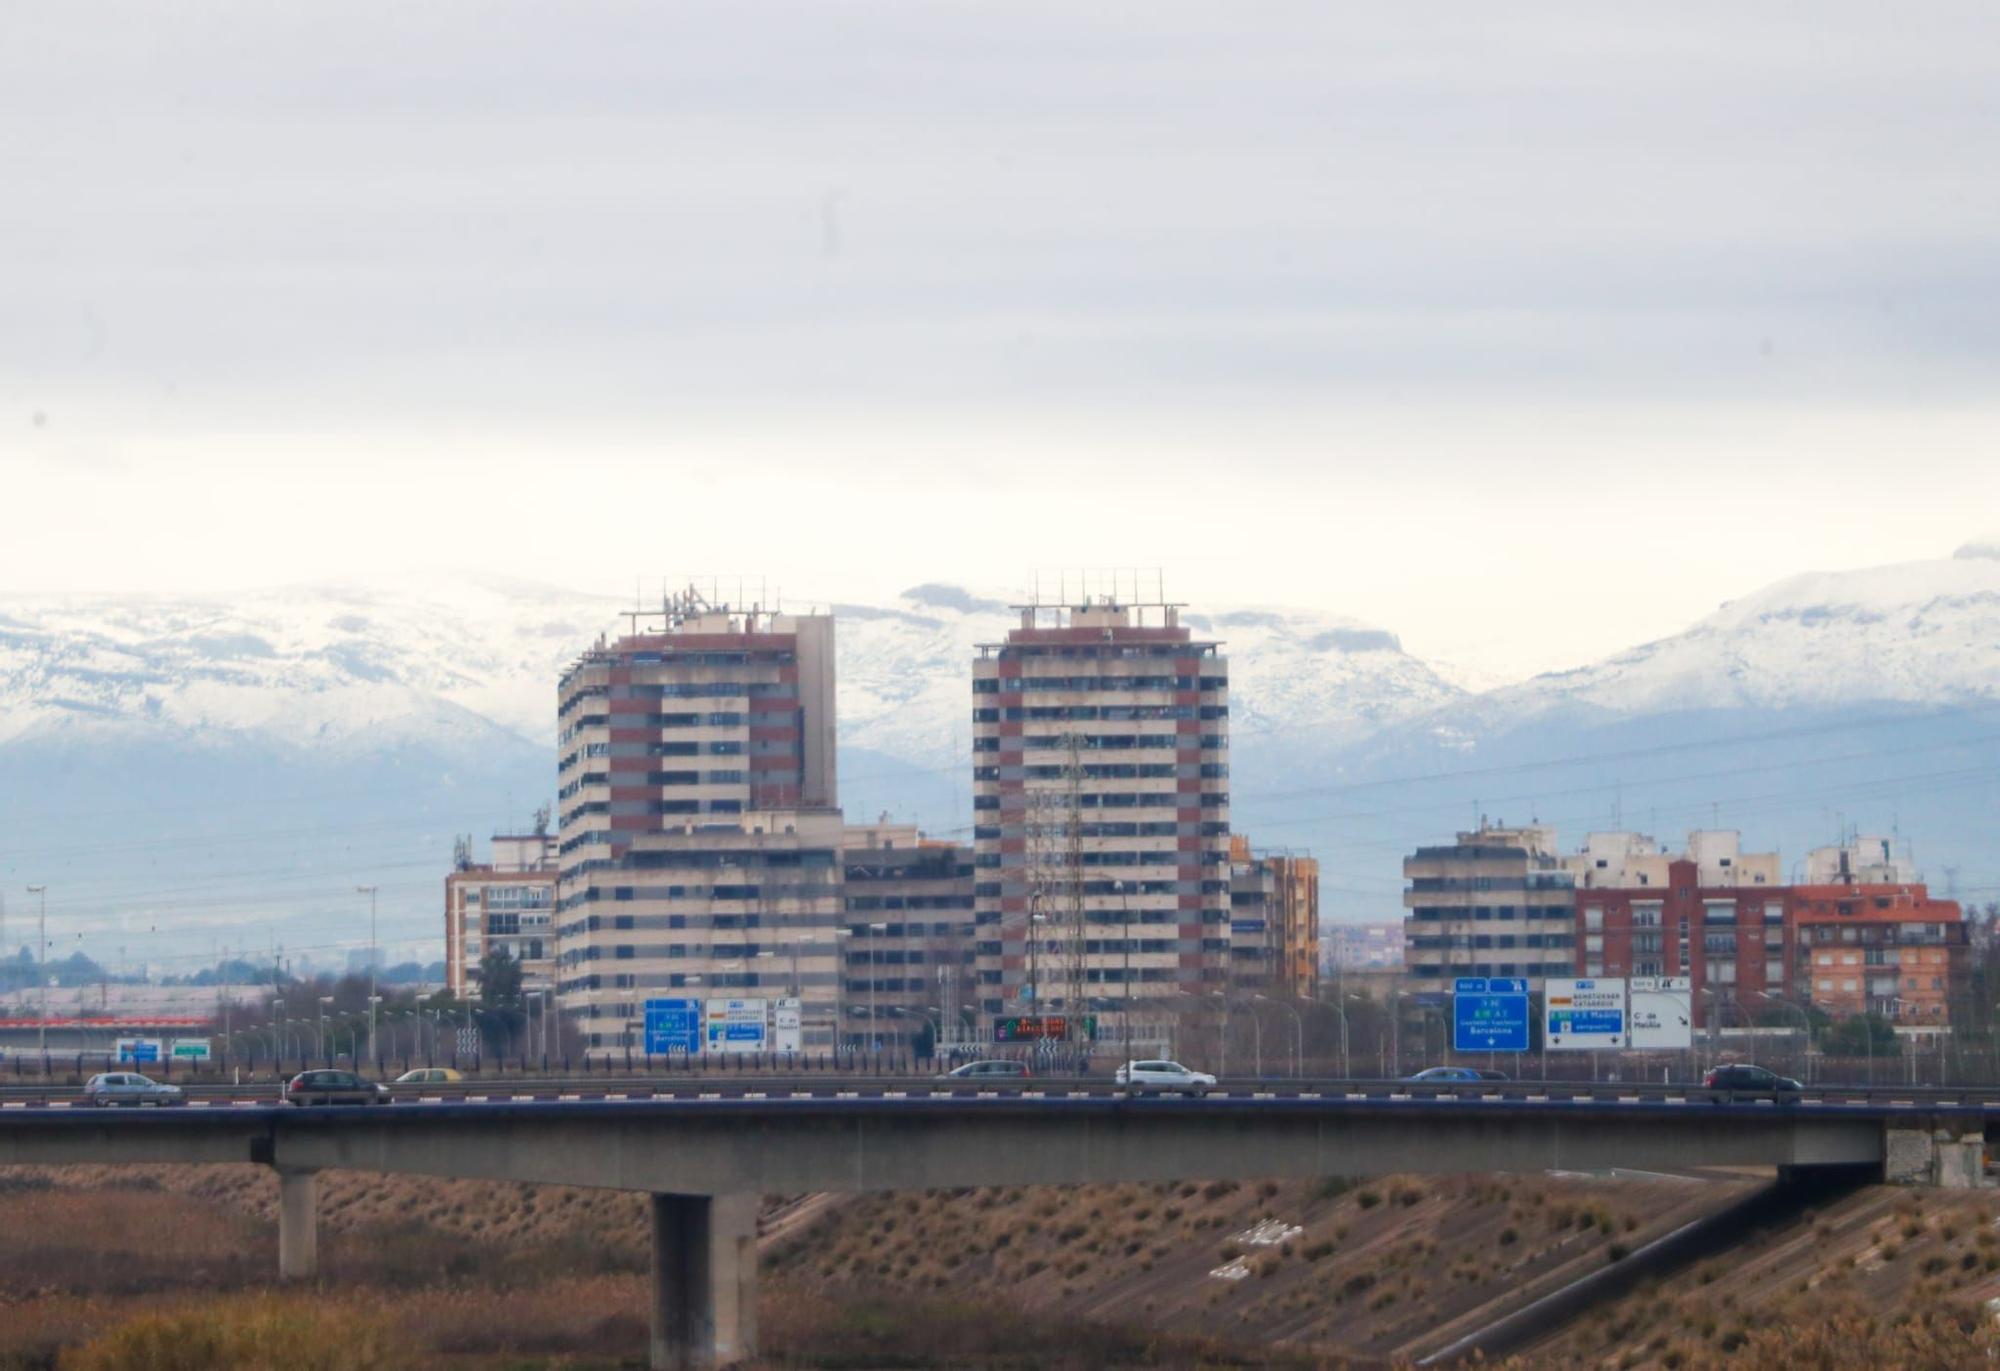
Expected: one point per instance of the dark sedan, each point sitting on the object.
(333, 1087)
(1746, 1079)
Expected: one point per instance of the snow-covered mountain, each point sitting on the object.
(1918, 633)
(157, 750)
(344, 669)
(304, 668)
(904, 673)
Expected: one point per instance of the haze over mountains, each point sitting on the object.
(189, 771)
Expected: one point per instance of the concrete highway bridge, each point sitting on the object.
(706, 1151)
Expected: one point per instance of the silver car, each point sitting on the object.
(129, 1087)
(1164, 1078)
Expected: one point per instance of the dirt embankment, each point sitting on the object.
(1868, 1264)
(1377, 1271)
(1304, 1275)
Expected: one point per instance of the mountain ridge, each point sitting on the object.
(173, 717)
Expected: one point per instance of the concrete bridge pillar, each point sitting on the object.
(1934, 1156)
(704, 1281)
(298, 1225)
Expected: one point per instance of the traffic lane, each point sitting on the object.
(1015, 1102)
(765, 1087)
(819, 1086)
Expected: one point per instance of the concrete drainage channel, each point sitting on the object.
(1781, 1202)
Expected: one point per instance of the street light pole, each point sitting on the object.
(1804, 1019)
(369, 891)
(1298, 1031)
(42, 933)
(839, 987)
(1034, 956)
(876, 932)
(1125, 1018)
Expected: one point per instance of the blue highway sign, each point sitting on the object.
(1489, 1014)
(673, 1026)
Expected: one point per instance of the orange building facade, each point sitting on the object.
(1890, 950)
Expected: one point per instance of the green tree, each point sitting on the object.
(499, 980)
(501, 1015)
(1862, 1035)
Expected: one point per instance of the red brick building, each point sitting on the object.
(1733, 941)
(1849, 949)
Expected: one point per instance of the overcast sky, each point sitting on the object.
(1526, 331)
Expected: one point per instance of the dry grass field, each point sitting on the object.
(1884, 1278)
(104, 1270)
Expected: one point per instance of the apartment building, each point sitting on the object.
(907, 964)
(699, 847)
(502, 905)
(1254, 937)
(1853, 943)
(1273, 921)
(1712, 913)
(1101, 810)
(1374, 946)
(1498, 902)
(1884, 949)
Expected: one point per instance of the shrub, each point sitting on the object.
(1367, 1199)
(261, 1331)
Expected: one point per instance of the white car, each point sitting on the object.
(1164, 1078)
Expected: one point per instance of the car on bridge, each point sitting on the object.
(1164, 1078)
(429, 1075)
(333, 1087)
(1449, 1075)
(129, 1087)
(1744, 1078)
(995, 1070)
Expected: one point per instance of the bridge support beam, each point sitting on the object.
(704, 1281)
(298, 1225)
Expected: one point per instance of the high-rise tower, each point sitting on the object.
(1101, 811)
(698, 843)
